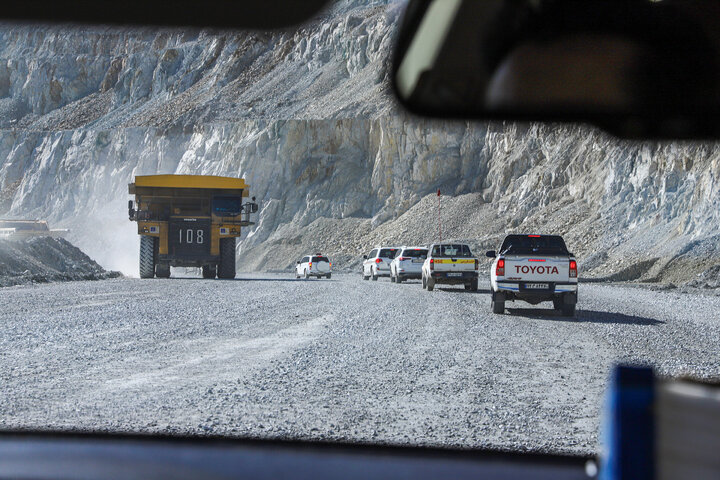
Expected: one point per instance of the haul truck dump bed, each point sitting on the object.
(189, 221)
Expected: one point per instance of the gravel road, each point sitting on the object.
(342, 359)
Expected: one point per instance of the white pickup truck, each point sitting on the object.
(452, 264)
(534, 268)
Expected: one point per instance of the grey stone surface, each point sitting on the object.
(343, 359)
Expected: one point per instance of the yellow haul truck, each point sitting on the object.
(189, 221)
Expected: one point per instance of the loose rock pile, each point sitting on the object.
(46, 259)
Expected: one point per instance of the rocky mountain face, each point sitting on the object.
(306, 117)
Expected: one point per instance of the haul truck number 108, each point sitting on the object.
(189, 221)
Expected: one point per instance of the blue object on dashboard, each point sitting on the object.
(628, 436)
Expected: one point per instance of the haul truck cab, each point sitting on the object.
(189, 221)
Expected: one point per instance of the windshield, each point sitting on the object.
(533, 244)
(455, 250)
(134, 309)
(388, 253)
(414, 253)
(229, 206)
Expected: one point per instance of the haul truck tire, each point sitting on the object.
(162, 270)
(208, 271)
(147, 257)
(226, 268)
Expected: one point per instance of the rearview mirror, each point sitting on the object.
(635, 68)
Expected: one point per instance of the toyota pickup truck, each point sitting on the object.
(450, 264)
(534, 269)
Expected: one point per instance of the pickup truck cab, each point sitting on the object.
(377, 262)
(534, 269)
(450, 264)
(316, 265)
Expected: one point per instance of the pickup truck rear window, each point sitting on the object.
(388, 253)
(453, 251)
(320, 259)
(534, 245)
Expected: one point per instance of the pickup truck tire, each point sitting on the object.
(329, 275)
(374, 276)
(398, 279)
(226, 267)
(498, 303)
(558, 303)
(162, 270)
(209, 271)
(147, 257)
(365, 277)
(430, 284)
(568, 310)
(306, 275)
(424, 283)
(472, 286)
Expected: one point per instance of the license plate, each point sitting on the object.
(537, 286)
(454, 274)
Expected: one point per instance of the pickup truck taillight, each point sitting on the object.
(378, 260)
(432, 264)
(310, 265)
(500, 268)
(477, 264)
(573, 269)
(403, 258)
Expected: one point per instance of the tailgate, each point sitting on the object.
(454, 264)
(542, 269)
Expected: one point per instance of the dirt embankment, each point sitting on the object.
(46, 259)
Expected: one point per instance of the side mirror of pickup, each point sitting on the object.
(364, 257)
(297, 263)
(491, 254)
(131, 210)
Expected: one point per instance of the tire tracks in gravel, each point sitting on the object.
(344, 359)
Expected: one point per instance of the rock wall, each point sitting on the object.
(305, 116)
